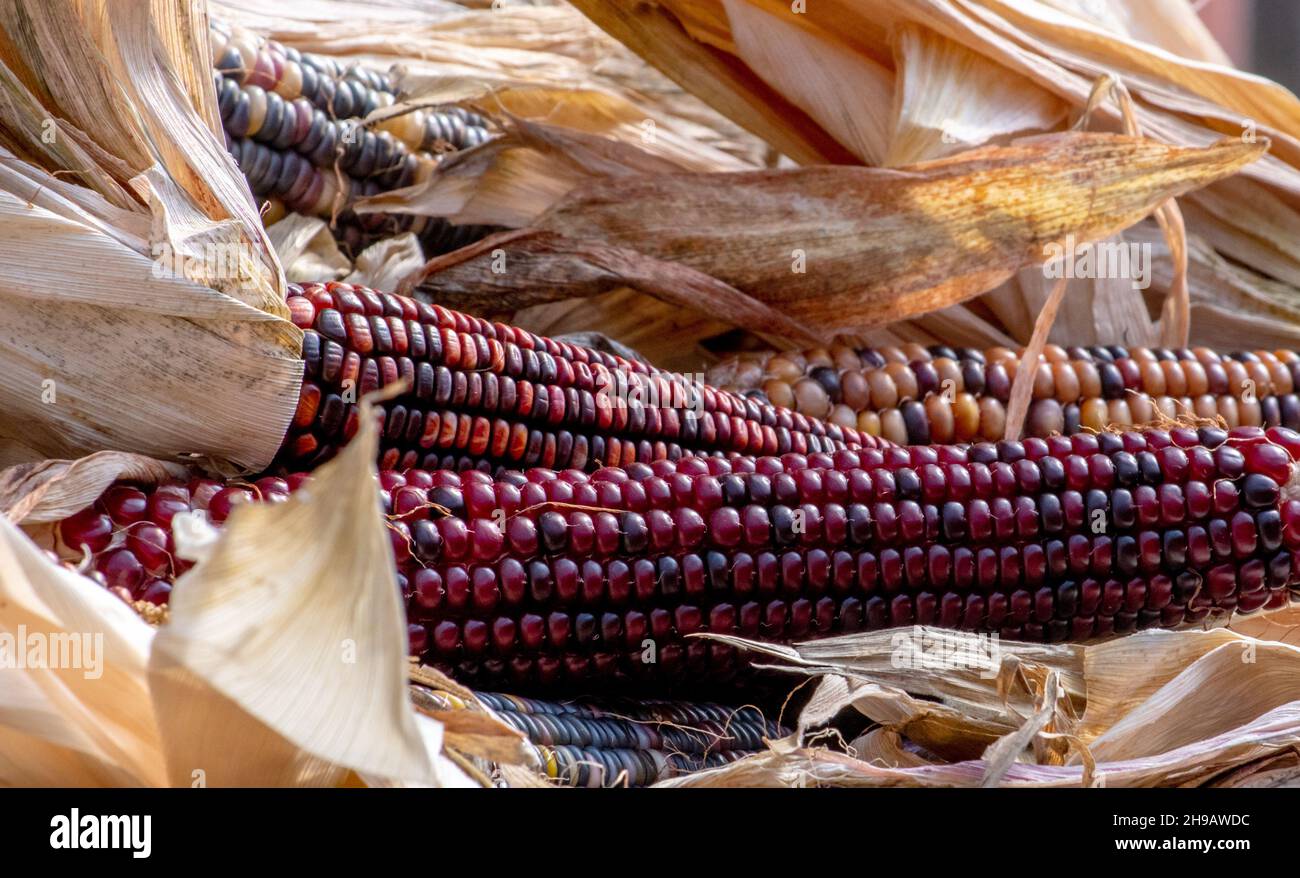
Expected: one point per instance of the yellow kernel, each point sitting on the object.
(966, 417)
(844, 416)
(938, 411)
(904, 379)
(1141, 407)
(993, 419)
(1093, 413)
(869, 423)
(1066, 381)
(884, 393)
(810, 398)
(892, 426)
(779, 393)
(783, 368)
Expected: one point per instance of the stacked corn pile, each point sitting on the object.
(294, 123)
(541, 578)
(626, 742)
(917, 395)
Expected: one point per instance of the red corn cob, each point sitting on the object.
(544, 577)
(484, 394)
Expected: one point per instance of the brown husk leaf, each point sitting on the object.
(880, 245)
(557, 268)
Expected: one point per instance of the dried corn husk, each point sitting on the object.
(836, 248)
(279, 664)
(515, 178)
(970, 73)
(306, 249)
(1154, 708)
(143, 302)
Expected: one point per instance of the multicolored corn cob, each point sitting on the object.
(546, 578)
(487, 394)
(291, 121)
(917, 395)
(627, 742)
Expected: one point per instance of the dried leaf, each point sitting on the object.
(52, 490)
(88, 721)
(846, 93)
(1022, 388)
(720, 80)
(557, 267)
(1005, 751)
(384, 263)
(484, 735)
(263, 623)
(306, 249)
(1160, 708)
(150, 300)
(545, 61)
(280, 665)
(1280, 625)
(949, 98)
(513, 179)
(666, 334)
(981, 71)
(849, 248)
(1281, 770)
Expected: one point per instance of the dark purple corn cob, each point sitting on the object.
(293, 123)
(629, 742)
(544, 578)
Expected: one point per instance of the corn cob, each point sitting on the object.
(913, 394)
(627, 742)
(291, 123)
(543, 578)
(489, 394)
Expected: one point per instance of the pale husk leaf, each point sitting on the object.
(263, 623)
(86, 724)
(551, 51)
(663, 332)
(111, 356)
(1184, 92)
(1154, 712)
(136, 337)
(1169, 24)
(949, 98)
(306, 249)
(553, 267)
(719, 79)
(846, 93)
(515, 178)
(384, 264)
(52, 490)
